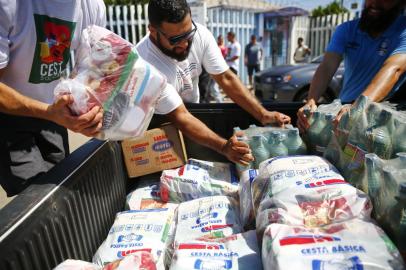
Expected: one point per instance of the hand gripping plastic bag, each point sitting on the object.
(191, 182)
(281, 173)
(314, 206)
(141, 260)
(207, 218)
(349, 245)
(238, 251)
(109, 73)
(137, 230)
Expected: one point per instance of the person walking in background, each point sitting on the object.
(223, 48)
(302, 52)
(234, 53)
(253, 57)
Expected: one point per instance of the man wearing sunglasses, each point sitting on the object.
(180, 48)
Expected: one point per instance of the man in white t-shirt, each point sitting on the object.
(233, 53)
(179, 48)
(36, 38)
(302, 52)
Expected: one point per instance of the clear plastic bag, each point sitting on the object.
(246, 211)
(109, 73)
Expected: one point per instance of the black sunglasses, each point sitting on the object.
(177, 39)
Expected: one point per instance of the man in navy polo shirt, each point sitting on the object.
(374, 52)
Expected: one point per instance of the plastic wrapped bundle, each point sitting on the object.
(109, 73)
(239, 251)
(192, 182)
(278, 174)
(221, 171)
(207, 218)
(137, 230)
(246, 211)
(140, 260)
(350, 245)
(314, 206)
(146, 198)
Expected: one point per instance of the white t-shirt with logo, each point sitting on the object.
(36, 38)
(184, 75)
(234, 49)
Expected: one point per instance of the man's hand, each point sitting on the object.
(277, 118)
(237, 151)
(302, 120)
(89, 124)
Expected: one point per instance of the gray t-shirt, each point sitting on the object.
(253, 53)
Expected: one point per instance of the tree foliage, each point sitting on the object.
(125, 2)
(332, 8)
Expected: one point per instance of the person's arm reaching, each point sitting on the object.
(12, 102)
(320, 81)
(193, 128)
(386, 78)
(234, 88)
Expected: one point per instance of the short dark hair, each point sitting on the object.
(231, 34)
(172, 11)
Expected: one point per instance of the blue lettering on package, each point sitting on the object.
(162, 146)
(353, 263)
(142, 162)
(210, 264)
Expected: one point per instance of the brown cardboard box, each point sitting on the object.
(159, 149)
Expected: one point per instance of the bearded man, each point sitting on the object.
(374, 51)
(180, 48)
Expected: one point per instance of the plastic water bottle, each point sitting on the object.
(240, 167)
(259, 150)
(236, 129)
(276, 147)
(294, 143)
(325, 134)
(307, 112)
(396, 220)
(373, 113)
(374, 176)
(380, 136)
(313, 134)
(399, 142)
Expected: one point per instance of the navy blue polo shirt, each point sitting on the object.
(364, 55)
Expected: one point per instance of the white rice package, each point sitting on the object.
(191, 182)
(146, 198)
(246, 211)
(349, 245)
(141, 260)
(137, 230)
(282, 173)
(109, 73)
(221, 171)
(207, 218)
(238, 251)
(314, 207)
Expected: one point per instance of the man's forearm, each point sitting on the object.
(234, 88)
(319, 84)
(12, 102)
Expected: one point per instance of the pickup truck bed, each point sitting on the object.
(69, 211)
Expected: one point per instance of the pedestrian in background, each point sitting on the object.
(253, 57)
(234, 53)
(302, 52)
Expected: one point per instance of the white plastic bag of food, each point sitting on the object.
(207, 218)
(314, 207)
(192, 182)
(146, 198)
(141, 260)
(238, 251)
(349, 245)
(246, 211)
(281, 173)
(109, 73)
(137, 230)
(220, 171)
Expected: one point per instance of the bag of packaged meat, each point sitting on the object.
(137, 230)
(109, 73)
(281, 173)
(191, 182)
(354, 244)
(140, 260)
(238, 251)
(207, 218)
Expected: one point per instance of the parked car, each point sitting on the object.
(288, 83)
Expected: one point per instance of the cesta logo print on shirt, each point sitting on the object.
(52, 48)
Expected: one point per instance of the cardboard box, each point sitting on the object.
(159, 149)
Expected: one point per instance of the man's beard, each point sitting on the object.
(381, 22)
(171, 53)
